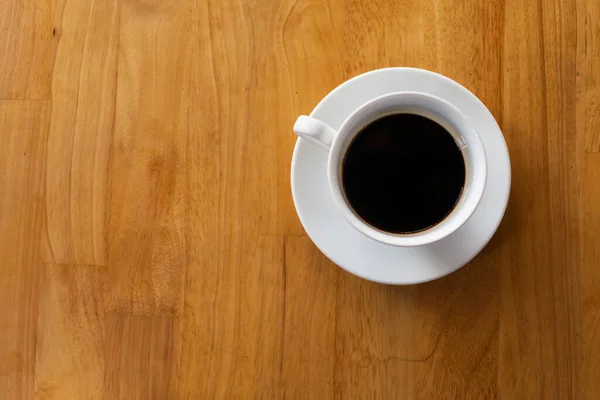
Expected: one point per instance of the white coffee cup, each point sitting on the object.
(432, 107)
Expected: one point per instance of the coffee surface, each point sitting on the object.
(403, 173)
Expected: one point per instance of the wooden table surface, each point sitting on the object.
(149, 247)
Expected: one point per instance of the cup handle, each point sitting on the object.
(315, 131)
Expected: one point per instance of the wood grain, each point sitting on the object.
(230, 337)
(146, 212)
(138, 349)
(538, 118)
(588, 68)
(590, 340)
(308, 354)
(149, 246)
(23, 130)
(81, 126)
(70, 347)
(27, 46)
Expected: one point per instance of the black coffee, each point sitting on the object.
(403, 173)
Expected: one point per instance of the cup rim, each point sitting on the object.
(459, 215)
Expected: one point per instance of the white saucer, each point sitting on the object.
(372, 260)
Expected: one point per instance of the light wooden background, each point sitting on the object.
(149, 247)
